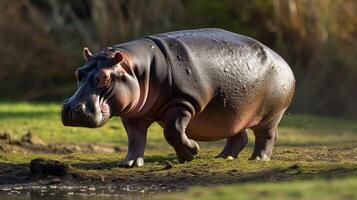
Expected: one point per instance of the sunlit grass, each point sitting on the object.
(335, 189)
(43, 120)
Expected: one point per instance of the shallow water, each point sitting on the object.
(76, 196)
(73, 193)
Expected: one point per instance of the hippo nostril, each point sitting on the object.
(80, 107)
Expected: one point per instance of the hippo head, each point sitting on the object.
(107, 87)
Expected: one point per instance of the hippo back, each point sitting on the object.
(203, 61)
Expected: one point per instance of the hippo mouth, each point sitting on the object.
(104, 97)
(92, 113)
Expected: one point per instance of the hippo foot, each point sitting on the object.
(229, 153)
(187, 152)
(129, 163)
(262, 150)
(261, 157)
(226, 155)
(234, 145)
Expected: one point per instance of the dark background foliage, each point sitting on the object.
(41, 41)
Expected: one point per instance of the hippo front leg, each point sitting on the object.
(175, 122)
(137, 131)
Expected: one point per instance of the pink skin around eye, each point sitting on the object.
(103, 78)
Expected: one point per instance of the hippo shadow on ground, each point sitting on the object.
(96, 165)
(179, 178)
(183, 178)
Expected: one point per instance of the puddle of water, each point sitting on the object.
(73, 193)
(73, 196)
(30, 195)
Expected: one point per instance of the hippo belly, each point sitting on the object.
(220, 119)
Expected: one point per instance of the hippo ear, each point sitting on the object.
(86, 53)
(118, 57)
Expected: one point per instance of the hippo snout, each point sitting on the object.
(70, 111)
(78, 114)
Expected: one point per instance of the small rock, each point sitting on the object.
(119, 149)
(43, 167)
(18, 188)
(5, 136)
(6, 189)
(296, 166)
(53, 186)
(168, 166)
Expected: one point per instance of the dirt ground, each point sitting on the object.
(67, 164)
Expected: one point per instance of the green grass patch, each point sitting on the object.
(43, 120)
(335, 189)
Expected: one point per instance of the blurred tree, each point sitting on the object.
(30, 63)
(319, 38)
(112, 22)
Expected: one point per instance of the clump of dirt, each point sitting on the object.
(5, 136)
(32, 139)
(168, 166)
(29, 142)
(295, 166)
(43, 167)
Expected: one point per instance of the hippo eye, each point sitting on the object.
(103, 78)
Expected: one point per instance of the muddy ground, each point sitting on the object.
(30, 163)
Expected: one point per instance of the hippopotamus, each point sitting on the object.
(199, 85)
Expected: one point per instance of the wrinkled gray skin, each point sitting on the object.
(204, 85)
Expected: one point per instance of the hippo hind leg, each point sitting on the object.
(234, 145)
(176, 120)
(265, 139)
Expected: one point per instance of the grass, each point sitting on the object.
(335, 189)
(316, 157)
(43, 119)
